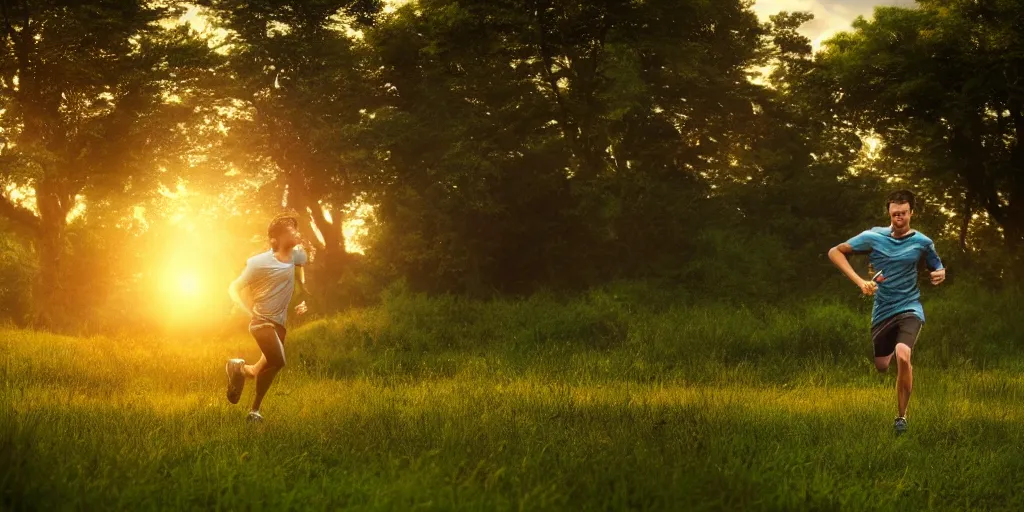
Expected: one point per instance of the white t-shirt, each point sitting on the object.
(271, 284)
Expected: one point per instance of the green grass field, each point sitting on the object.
(595, 403)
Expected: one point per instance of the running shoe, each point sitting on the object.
(236, 379)
(900, 426)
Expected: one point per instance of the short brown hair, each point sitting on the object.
(279, 224)
(900, 197)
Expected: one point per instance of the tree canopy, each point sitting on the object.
(494, 147)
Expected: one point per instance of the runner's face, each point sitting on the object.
(291, 238)
(899, 214)
(288, 238)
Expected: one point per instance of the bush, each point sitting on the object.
(966, 323)
(18, 272)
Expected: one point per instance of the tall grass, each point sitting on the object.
(965, 325)
(621, 399)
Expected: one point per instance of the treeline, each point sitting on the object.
(502, 146)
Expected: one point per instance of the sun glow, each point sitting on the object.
(182, 287)
(188, 286)
(186, 293)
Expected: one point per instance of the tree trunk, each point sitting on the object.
(334, 250)
(332, 255)
(1014, 231)
(965, 221)
(49, 292)
(50, 246)
(47, 231)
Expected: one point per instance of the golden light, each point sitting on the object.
(187, 294)
(181, 286)
(188, 286)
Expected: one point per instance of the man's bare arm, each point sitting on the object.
(300, 281)
(303, 292)
(838, 255)
(233, 292)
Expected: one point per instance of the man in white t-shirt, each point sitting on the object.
(270, 279)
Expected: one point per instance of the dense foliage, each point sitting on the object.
(493, 147)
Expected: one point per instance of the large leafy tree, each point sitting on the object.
(653, 101)
(95, 98)
(789, 192)
(587, 134)
(807, 161)
(302, 91)
(941, 85)
(474, 192)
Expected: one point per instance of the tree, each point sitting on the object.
(610, 120)
(941, 85)
(95, 96)
(474, 195)
(792, 191)
(303, 90)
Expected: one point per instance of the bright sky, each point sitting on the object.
(830, 16)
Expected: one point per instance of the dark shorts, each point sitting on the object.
(901, 328)
(258, 327)
(270, 337)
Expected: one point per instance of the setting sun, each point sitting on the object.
(188, 285)
(182, 287)
(187, 295)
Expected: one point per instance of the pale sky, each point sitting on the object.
(830, 16)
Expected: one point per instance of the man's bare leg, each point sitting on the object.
(269, 364)
(882, 363)
(263, 382)
(905, 378)
(252, 370)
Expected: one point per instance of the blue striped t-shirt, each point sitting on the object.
(897, 259)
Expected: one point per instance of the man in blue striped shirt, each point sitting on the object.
(897, 315)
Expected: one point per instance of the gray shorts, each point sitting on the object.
(900, 328)
(269, 336)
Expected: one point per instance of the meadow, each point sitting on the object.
(618, 399)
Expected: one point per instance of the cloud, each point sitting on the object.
(830, 16)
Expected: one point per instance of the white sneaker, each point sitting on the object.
(255, 417)
(236, 379)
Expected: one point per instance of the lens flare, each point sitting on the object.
(189, 285)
